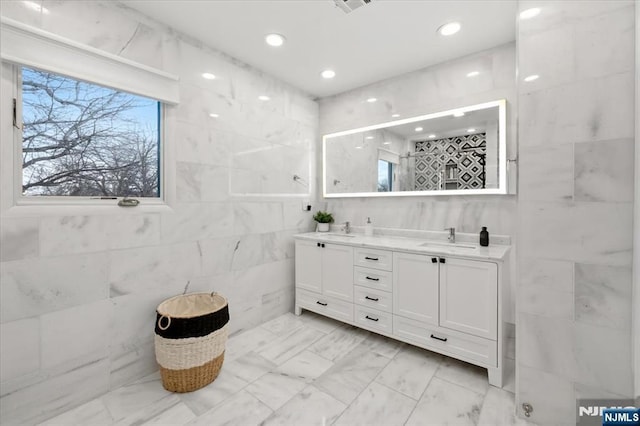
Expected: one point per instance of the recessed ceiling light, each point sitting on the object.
(471, 130)
(358, 147)
(458, 114)
(395, 115)
(372, 100)
(208, 76)
(431, 136)
(386, 143)
(369, 137)
(328, 74)
(473, 73)
(214, 115)
(531, 78)
(449, 29)
(35, 6)
(530, 13)
(264, 98)
(275, 40)
(418, 129)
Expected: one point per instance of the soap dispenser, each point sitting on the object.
(484, 237)
(368, 228)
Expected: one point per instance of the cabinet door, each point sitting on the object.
(415, 287)
(308, 266)
(337, 271)
(469, 297)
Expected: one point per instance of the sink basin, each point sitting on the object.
(448, 245)
(337, 234)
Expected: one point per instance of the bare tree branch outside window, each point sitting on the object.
(80, 139)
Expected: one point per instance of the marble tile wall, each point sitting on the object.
(79, 291)
(437, 88)
(575, 209)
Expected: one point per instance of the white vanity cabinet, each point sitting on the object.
(324, 278)
(443, 302)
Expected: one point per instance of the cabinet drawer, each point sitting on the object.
(372, 278)
(324, 305)
(372, 298)
(373, 319)
(373, 258)
(475, 349)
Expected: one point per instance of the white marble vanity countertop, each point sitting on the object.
(436, 247)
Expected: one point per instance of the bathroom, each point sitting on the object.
(243, 156)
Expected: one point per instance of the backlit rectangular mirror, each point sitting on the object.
(459, 151)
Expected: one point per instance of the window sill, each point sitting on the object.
(85, 208)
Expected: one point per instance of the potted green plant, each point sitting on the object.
(323, 219)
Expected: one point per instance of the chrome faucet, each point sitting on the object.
(452, 234)
(347, 227)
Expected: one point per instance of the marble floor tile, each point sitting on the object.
(383, 345)
(445, 403)
(242, 409)
(250, 367)
(93, 412)
(319, 322)
(410, 371)
(310, 407)
(275, 389)
(169, 410)
(129, 399)
(306, 366)
(247, 341)
(223, 387)
(464, 374)
(339, 342)
(499, 409)
(377, 405)
(289, 345)
(352, 374)
(284, 324)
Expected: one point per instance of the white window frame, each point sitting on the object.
(12, 202)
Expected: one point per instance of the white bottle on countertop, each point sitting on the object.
(368, 228)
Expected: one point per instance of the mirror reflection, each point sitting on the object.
(455, 151)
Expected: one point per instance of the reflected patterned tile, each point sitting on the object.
(410, 371)
(306, 366)
(289, 345)
(309, 407)
(352, 374)
(223, 387)
(445, 403)
(92, 413)
(377, 405)
(464, 374)
(339, 342)
(241, 409)
(250, 367)
(274, 389)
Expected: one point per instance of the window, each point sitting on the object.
(385, 176)
(84, 140)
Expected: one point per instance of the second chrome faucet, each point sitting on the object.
(452, 234)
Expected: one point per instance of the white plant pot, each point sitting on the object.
(323, 227)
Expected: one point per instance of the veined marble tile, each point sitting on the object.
(545, 172)
(464, 374)
(377, 405)
(351, 374)
(309, 407)
(20, 238)
(248, 252)
(552, 397)
(277, 303)
(278, 245)
(82, 234)
(381, 345)
(499, 409)
(130, 399)
(201, 182)
(93, 412)
(197, 221)
(227, 384)
(546, 287)
(247, 341)
(177, 414)
(250, 367)
(284, 324)
(339, 342)
(306, 366)
(168, 410)
(240, 409)
(604, 171)
(75, 336)
(295, 218)
(320, 322)
(410, 371)
(447, 403)
(289, 345)
(603, 295)
(262, 279)
(134, 360)
(20, 348)
(33, 287)
(257, 217)
(275, 389)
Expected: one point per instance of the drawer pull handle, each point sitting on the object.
(439, 338)
(320, 303)
(375, 299)
(370, 318)
(373, 279)
(371, 258)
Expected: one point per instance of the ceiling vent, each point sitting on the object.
(349, 6)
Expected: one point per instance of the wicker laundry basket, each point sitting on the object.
(191, 333)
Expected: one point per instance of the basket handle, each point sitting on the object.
(160, 323)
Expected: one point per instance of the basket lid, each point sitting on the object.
(191, 305)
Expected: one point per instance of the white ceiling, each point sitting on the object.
(374, 42)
